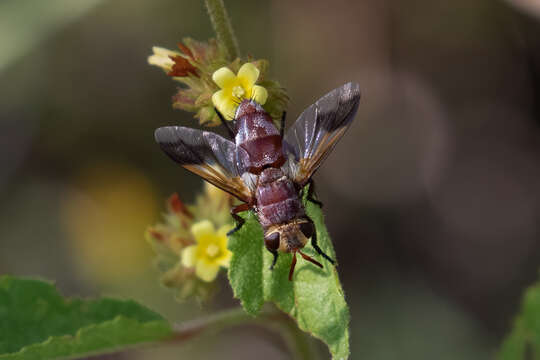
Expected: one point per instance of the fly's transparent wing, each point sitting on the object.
(317, 130)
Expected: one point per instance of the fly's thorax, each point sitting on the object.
(291, 237)
(257, 139)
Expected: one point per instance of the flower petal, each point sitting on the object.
(259, 94)
(206, 271)
(157, 50)
(162, 57)
(163, 62)
(225, 259)
(189, 258)
(223, 77)
(202, 229)
(223, 101)
(248, 75)
(222, 231)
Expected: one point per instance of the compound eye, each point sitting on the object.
(307, 229)
(272, 241)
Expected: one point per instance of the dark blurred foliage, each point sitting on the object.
(432, 197)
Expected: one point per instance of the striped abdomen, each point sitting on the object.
(277, 199)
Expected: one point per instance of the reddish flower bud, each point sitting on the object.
(182, 67)
(176, 205)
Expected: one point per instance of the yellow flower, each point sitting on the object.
(210, 252)
(235, 88)
(163, 58)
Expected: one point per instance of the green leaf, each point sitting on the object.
(36, 322)
(314, 298)
(245, 269)
(524, 340)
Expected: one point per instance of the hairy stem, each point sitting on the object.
(297, 342)
(222, 27)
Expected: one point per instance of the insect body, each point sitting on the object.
(266, 169)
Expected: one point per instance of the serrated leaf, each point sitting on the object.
(36, 322)
(314, 298)
(523, 342)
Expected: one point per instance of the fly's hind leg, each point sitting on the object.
(311, 193)
(316, 246)
(239, 220)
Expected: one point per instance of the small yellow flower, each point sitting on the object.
(235, 88)
(210, 252)
(163, 58)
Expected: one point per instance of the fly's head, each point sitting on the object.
(289, 237)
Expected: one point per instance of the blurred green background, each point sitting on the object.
(432, 197)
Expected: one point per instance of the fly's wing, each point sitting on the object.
(317, 130)
(206, 154)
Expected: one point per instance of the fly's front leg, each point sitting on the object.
(311, 192)
(224, 122)
(239, 220)
(316, 246)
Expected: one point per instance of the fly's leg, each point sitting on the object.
(316, 246)
(282, 128)
(224, 122)
(311, 192)
(239, 220)
(293, 265)
(275, 253)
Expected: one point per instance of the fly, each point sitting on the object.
(267, 169)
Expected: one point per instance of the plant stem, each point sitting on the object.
(297, 341)
(222, 27)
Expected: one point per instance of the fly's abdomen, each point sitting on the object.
(278, 202)
(280, 213)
